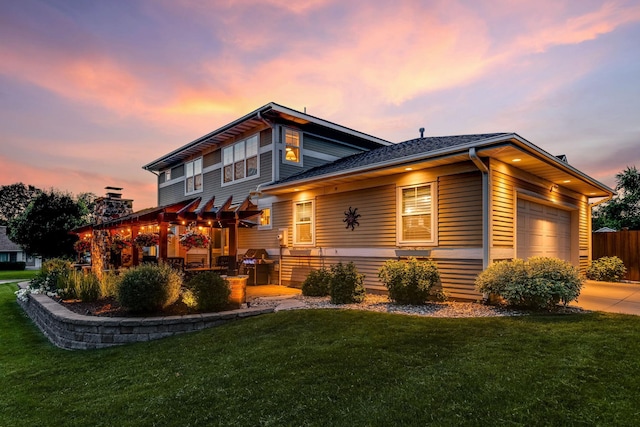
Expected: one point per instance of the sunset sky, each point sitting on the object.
(92, 90)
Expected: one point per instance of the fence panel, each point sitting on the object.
(623, 244)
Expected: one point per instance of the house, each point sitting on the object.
(12, 252)
(312, 193)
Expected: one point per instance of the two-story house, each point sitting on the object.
(312, 193)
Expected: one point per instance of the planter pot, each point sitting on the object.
(238, 285)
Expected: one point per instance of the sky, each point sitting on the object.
(92, 90)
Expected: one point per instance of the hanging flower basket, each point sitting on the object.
(194, 239)
(118, 243)
(82, 246)
(146, 239)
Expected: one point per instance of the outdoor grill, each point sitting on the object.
(257, 265)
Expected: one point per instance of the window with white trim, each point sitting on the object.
(265, 218)
(167, 175)
(416, 214)
(292, 146)
(193, 176)
(303, 223)
(240, 160)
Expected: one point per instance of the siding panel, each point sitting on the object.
(460, 210)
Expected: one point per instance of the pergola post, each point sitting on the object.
(135, 255)
(163, 242)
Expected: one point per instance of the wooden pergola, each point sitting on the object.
(192, 212)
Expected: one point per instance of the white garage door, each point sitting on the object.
(543, 231)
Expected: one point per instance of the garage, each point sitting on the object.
(543, 231)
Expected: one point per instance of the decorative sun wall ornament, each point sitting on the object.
(351, 218)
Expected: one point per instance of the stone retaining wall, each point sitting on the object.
(73, 331)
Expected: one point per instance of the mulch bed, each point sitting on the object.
(110, 307)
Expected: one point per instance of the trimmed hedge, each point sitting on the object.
(539, 282)
(606, 269)
(12, 265)
(346, 284)
(149, 287)
(211, 292)
(317, 283)
(411, 281)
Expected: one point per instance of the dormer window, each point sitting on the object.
(292, 146)
(193, 176)
(240, 160)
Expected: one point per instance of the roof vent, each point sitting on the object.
(421, 133)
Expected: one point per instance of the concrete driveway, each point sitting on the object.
(610, 297)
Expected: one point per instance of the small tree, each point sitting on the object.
(43, 228)
(623, 211)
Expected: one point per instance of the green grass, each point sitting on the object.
(322, 367)
(18, 275)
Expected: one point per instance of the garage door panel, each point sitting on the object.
(543, 231)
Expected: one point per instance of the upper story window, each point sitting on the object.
(292, 146)
(265, 218)
(303, 223)
(193, 176)
(240, 160)
(416, 214)
(167, 175)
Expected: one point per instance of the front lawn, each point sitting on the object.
(18, 274)
(328, 367)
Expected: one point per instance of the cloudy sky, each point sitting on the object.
(92, 90)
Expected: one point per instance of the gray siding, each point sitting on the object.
(310, 142)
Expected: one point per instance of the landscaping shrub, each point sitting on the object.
(346, 285)
(79, 285)
(109, 284)
(606, 269)
(46, 281)
(409, 282)
(317, 283)
(211, 291)
(149, 288)
(539, 282)
(12, 265)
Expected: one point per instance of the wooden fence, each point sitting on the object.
(623, 244)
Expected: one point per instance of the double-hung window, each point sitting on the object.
(416, 214)
(292, 147)
(303, 223)
(240, 160)
(265, 218)
(193, 176)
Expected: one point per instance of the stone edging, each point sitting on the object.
(73, 331)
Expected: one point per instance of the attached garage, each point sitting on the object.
(543, 231)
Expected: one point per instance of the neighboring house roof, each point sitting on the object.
(604, 230)
(263, 115)
(401, 151)
(7, 245)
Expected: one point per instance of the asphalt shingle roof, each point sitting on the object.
(392, 152)
(7, 245)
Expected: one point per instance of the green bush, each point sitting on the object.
(409, 282)
(149, 287)
(317, 283)
(12, 265)
(346, 285)
(47, 278)
(211, 291)
(606, 269)
(79, 285)
(539, 282)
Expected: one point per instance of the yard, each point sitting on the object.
(323, 367)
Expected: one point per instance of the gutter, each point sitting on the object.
(485, 205)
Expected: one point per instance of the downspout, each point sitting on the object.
(485, 205)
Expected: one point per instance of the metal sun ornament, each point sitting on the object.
(351, 218)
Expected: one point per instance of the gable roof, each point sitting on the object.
(385, 155)
(263, 115)
(7, 245)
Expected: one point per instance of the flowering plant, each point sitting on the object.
(82, 246)
(194, 239)
(118, 242)
(146, 239)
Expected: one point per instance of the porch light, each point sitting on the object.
(408, 169)
(566, 181)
